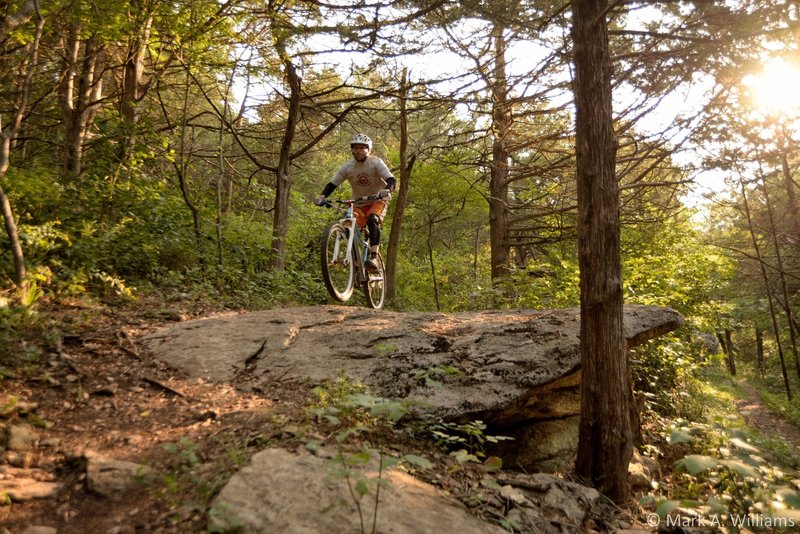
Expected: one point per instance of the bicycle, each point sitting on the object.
(343, 258)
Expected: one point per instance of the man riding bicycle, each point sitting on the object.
(368, 176)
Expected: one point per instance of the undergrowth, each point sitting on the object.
(723, 475)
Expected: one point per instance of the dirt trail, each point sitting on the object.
(764, 420)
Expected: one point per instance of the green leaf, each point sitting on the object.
(346, 433)
(695, 463)
(389, 461)
(362, 487)
(789, 496)
(431, 383)
(492, 484)
(647, 500)
(394, 410)
(743, 445)
(665, 507)
(493, 463)
(358, 458)
(314, 445)
(417, 461)
(678, 436)
(463, 456)
(742, 468)
(332, 419)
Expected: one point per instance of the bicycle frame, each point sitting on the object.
(339, 270)
(361, 248)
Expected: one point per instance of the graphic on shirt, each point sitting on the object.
(363, 179)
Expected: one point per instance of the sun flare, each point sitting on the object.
(776, 89)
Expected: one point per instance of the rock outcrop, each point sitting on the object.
(516, 370)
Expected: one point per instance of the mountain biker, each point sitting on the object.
(368, 176)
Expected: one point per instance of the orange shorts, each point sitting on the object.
(362, 212)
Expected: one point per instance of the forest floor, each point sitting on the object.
(93, 391)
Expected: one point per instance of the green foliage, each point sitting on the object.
(18, 356)
(725, 477)
(466, 441)
(346, 406)
(426, 376)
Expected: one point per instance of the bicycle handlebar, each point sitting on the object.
(329, 204)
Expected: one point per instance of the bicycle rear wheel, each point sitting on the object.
(338, 267)
(375, 287)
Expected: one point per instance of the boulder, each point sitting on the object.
(280, 491)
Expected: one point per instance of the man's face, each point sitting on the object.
(360, 152)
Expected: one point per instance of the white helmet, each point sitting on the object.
(361, 139)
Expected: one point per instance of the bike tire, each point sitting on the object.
(375, 285)
(338, 267)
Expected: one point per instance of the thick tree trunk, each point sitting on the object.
(79, 95)
(283, 179)
(134, 66)
(498, 180)
(605, 443)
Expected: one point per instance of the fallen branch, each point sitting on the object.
(168, 389)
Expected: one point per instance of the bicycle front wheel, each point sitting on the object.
(338, 267)
(375, 286)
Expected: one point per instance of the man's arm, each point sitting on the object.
(330, 187)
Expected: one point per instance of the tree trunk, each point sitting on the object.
(7, 138)
(433, 265)
(787, 303)
(775, 328)
(402, 196)
(790, 187)
(498, 180)
(283, 179)
(729, 351)
(134, 66)
(760, 361)
(605, 442)
(79, 95)
(181, 165)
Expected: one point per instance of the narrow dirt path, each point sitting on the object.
(764, 420)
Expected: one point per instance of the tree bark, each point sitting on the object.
(498, 180)
(134, 66)
(79, 95)
(605, 443)
(429, 242)
(402, 196)
(729, 352)
(7, 137)
(760, 361)
(283, 179)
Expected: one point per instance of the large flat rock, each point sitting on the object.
(500, 366)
